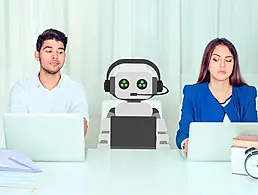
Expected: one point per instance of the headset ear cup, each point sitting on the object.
(112, 85)
(159, 86)
(107, 85)
(154, 85)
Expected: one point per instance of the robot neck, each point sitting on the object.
(133, 101)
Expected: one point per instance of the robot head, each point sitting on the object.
(134, 84)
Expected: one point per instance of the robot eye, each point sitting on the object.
(141, 84)
(123, 83)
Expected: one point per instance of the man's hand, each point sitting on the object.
(85, 127)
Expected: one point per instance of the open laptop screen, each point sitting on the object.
(133, 132)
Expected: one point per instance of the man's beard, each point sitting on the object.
(52, 72)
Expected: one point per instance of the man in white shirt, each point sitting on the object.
(50, 91)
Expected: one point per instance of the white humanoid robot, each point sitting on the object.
(133, 123)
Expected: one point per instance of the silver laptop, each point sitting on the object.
(212, 141)
(46, 137)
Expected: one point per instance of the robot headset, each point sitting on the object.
(157, 82)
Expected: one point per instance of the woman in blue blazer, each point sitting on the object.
(220, 94)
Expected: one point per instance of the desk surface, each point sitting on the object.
(133, 172)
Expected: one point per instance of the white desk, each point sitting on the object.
(133, 172)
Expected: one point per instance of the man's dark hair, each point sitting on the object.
(51, 34)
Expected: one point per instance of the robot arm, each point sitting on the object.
(104, 136)
(162, 134)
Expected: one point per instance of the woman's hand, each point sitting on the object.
(185, 146)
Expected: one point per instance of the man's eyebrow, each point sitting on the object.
(48, 47)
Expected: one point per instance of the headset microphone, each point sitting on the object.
(145, 94)
(137, 94)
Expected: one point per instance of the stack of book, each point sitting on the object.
(17, 173)
(241, 143)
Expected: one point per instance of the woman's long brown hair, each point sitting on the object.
(235, 78)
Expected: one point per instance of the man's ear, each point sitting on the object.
(36, 55)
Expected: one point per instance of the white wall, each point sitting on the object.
(171, 33)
